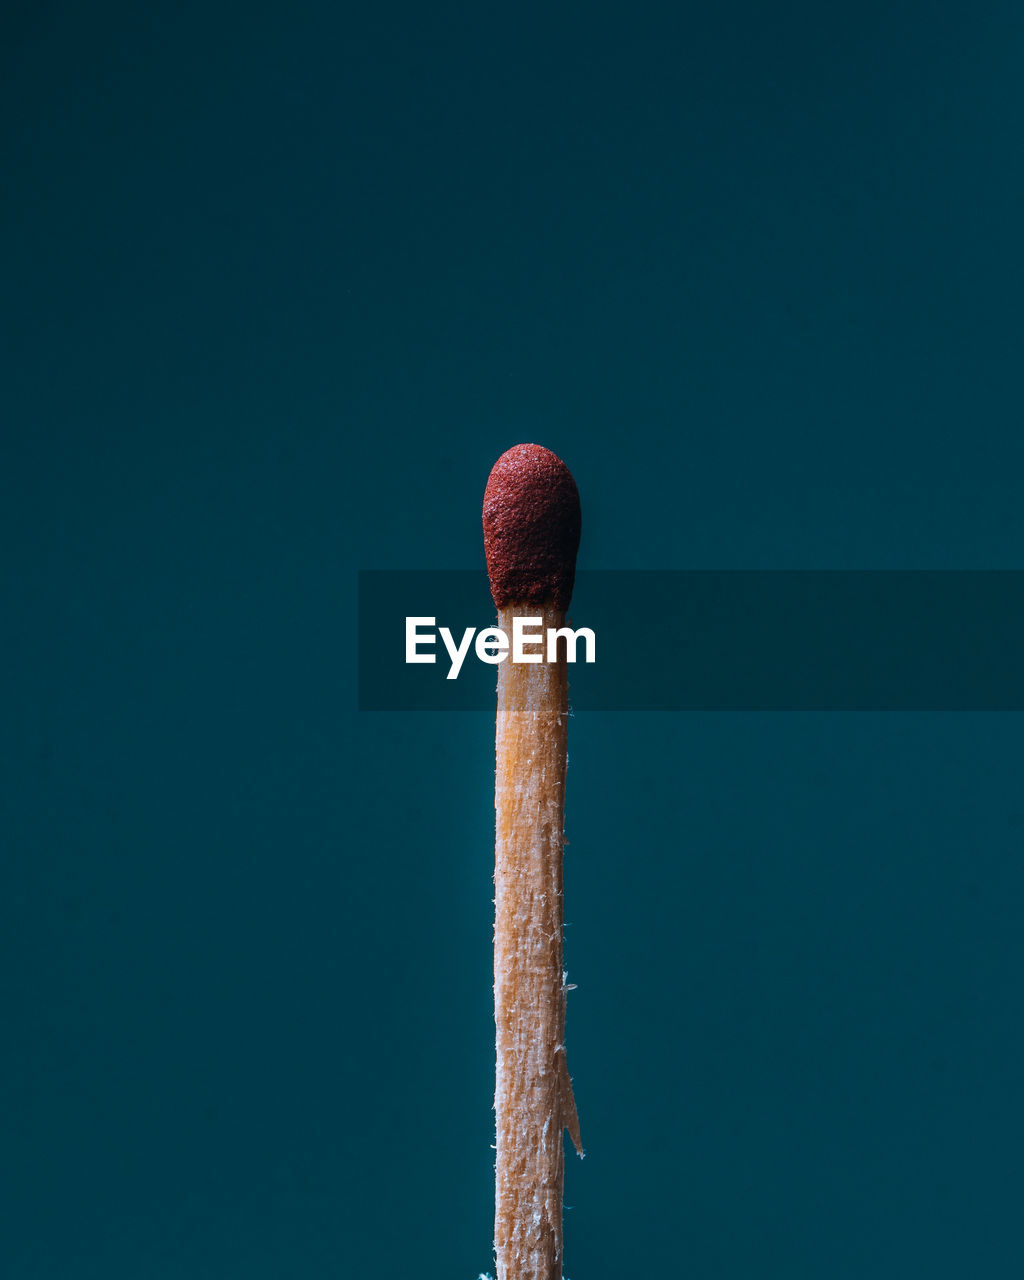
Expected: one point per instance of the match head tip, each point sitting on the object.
(531, 528)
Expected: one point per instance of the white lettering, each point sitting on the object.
(413, 638)
(571, 637)
(492, 645)
(521, 637)
(529, 643)
(457, 655)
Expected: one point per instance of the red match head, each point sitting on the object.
(531, 528)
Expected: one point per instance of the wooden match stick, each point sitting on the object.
(531, 534)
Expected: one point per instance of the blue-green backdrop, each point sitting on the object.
(279, 284)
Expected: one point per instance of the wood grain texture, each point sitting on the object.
(533, 1099)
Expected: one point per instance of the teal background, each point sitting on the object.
(279, 284)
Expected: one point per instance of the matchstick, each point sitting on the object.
(531, 534)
